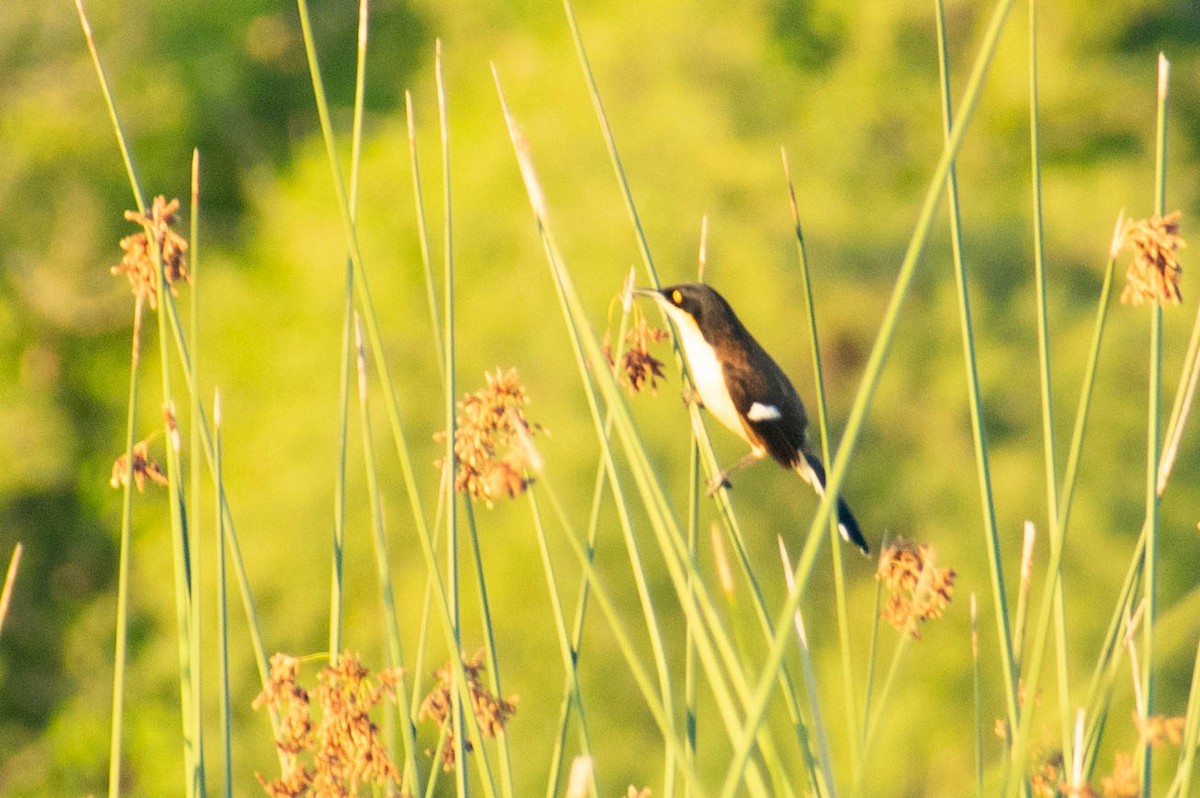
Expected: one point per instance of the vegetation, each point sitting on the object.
(395, 453)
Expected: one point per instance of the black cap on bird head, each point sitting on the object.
(695, 299)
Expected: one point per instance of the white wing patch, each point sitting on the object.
(761, 412)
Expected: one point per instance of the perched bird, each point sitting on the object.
(745, 389)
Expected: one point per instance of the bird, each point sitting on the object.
(745, 389)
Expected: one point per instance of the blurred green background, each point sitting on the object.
(701, 96)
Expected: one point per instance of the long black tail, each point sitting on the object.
(814, 473)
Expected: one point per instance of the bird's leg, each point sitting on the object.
(692, 397)
(721, 480)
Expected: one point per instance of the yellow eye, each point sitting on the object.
(676, 296)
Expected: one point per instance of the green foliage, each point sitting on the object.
(699, 99)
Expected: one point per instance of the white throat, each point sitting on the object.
(707, 374)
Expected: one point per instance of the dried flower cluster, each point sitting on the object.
(143, 469)
(916, 591)
(638, 368)
(1154, 274)
(1049, 777)
(1160, 730)
(1050, 780)
(1124, 781)
(492, 712)
(345, 748)
(138, 262)
(493, 441)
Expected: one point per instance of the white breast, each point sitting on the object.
(706, 371)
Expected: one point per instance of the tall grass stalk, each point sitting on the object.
(977, 695)
(826, 786)
(504, 753)
(666, 691)
(1086, 391)
(167, 305)
(195, 468)
(1023, 589)
(575, 638)
(974, 393)
(222, 609)
(1052, 596)
(1101, 681)
(423, 237)
(391, 619)
(849, 688)
(713, 646)
(1103, 675)
(1191, 736)
(874, 369)
(572, 693)
(442, 602)
(459, 699)
(700, 432)
(690, 671)
(1153, 442)
(339, 491)
(629, 652)
(907, 635)
(122, 619)
(180, 546)
(1056, 533)
(581, 601)
(1093, 712)
(116, 734)
(872, 655)
(193, 750)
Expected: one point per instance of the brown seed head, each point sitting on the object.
(1155, 271)
(493, 439)
(138, 263)
(916, 590)
(343, 750)
(1124, 781)
(491, 712)
(1160, 730)
(143, 469)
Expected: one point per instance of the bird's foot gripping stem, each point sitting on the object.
(721, 480)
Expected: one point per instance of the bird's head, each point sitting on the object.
(690, 302)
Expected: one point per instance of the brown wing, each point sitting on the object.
(768, 404)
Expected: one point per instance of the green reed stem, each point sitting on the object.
(194, 556)
(1191, 736)
(573, 694)
(849, 688)
(387, 594)
(699, 431)
(374, 339)
(608, 608)
(1153, 442)
(337, 585)
(222, 606)
(122, 616)
(423, 235)
(489, 645)
(715, 652)
(460, 700)
(762, 692)
(974, 394)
